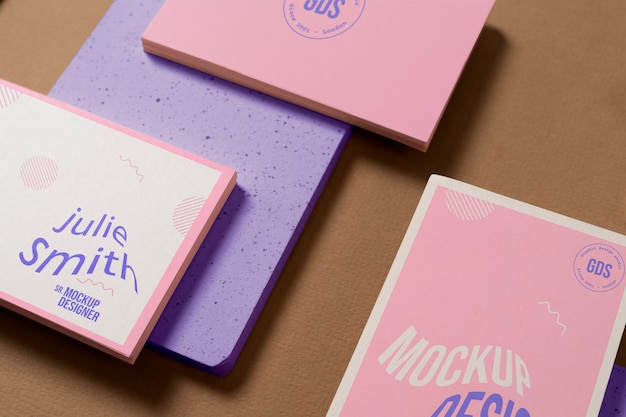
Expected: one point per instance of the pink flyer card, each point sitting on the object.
(492, 307)
(388, 66)
(98, 222)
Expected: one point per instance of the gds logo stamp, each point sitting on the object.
(322, 19)
(599, 267)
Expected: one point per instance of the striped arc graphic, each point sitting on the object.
(466, 207)
(8, 96)
(39, 172)
(186, 212)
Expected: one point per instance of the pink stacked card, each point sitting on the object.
(385, 65)
(98, 222)
(492, 307)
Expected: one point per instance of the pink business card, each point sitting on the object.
(492, 307)
(388, 66)
(98, 222)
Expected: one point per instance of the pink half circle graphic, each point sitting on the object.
(186, 212)
(8, 96)
(466, 207)
(39, 172)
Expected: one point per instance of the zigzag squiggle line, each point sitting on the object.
(558, 316)
(130, 164)
(95, 284)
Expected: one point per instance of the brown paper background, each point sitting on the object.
(539, 115)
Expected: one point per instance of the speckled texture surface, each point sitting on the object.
(614, 403)
(283, 155)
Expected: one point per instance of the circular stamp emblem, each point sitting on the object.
(322, 19)
(599, 267)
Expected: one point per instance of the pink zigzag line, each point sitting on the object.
(96, 284)
(558, 316)
(132, 166)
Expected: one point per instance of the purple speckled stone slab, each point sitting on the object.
(283, 155)
(614, 403)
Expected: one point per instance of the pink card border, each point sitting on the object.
(130, 349)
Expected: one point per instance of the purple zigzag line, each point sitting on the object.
(558, 316)
(95, 284)
(132, 166)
